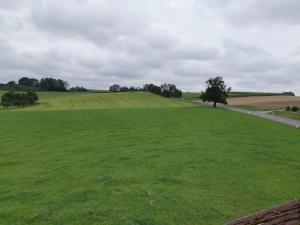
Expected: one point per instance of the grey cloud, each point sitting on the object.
(196, 53)
(246, 58)
(10, 23)
(98, 21)
(96, 43)
(13, 4)
(250, 68)
(257, 12)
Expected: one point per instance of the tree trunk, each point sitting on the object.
(215, 104)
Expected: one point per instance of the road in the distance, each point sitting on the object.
(264, 114)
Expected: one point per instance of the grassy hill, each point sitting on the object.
(148, 161)
(73, 100)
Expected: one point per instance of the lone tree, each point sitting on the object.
(216, 91)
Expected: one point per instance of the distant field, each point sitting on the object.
(267, 102)
(148, 161)
(73, 100)
(250, 94)
(291, 115)
(191, 96)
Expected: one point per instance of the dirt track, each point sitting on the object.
(266, 101)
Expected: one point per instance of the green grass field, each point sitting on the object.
(191, 95)
(291, 115)
(73, 100)
(140, 163)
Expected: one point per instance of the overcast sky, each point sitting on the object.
(253, 44)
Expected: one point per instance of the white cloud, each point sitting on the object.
(253, 44)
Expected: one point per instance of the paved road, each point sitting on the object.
(264, 114)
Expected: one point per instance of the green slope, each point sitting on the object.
(70, 100)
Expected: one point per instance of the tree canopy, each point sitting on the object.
(216, 91)
(33, 84)
(51, 84)
(26, 81)
(165, 90)
(18, 99)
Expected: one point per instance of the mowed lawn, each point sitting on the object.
(147, 166)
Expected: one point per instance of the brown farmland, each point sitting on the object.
(265, 102)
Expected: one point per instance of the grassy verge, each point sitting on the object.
(247, 107)
(291, 115)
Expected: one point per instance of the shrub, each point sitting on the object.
(7, 99)
(295, 109)
(18, 99)
(32, 97)
(288, 108)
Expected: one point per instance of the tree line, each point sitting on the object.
(19, 99)
(119, 88)
(33, 84)
(78, 89)
(165, 90)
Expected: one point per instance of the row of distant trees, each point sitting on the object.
(119, 88)
(216, 90)
(52, 84)
(165, 90)
(19, 99)
(78, 89)
(46, 84)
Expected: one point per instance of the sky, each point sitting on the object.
(253, 44)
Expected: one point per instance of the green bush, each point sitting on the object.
(18, 99)
(288, 108)
(295, 109)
